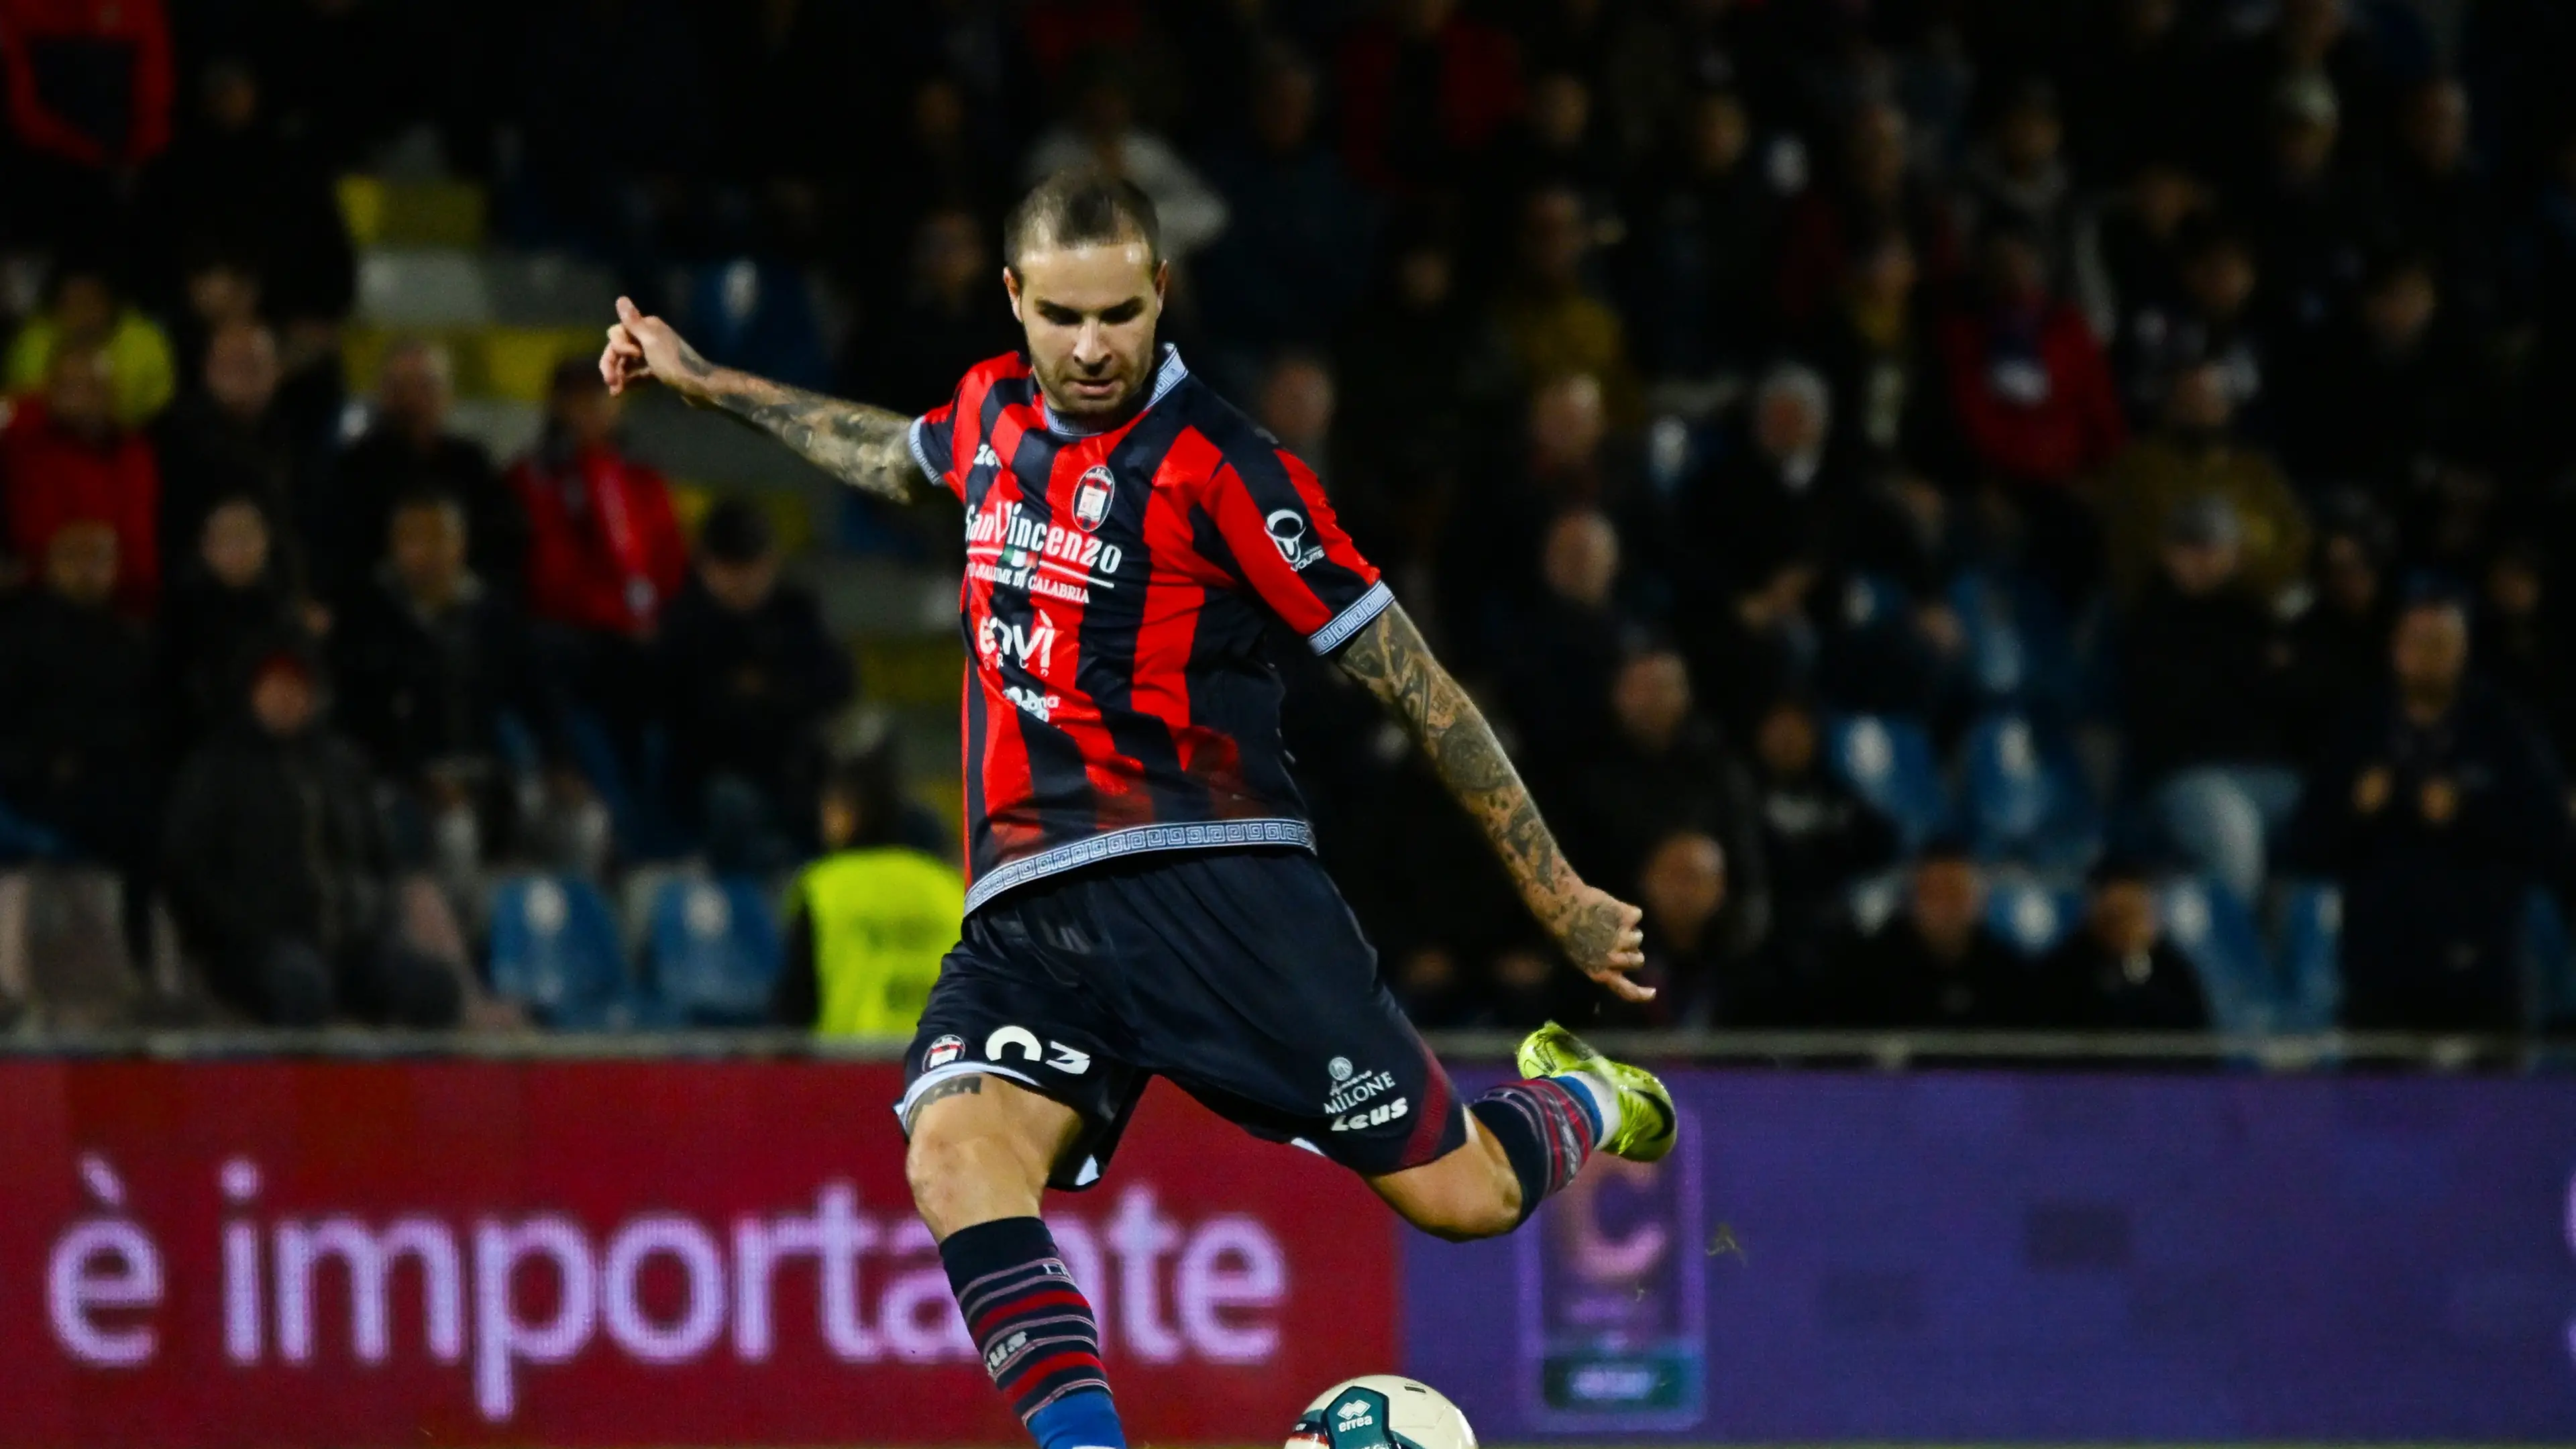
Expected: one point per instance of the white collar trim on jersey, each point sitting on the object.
(1166, 377)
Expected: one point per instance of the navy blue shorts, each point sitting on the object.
(1239, 975)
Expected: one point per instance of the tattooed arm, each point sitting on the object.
(868, 448)
(1597, 931)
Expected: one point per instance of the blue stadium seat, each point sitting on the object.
(2019, 647)
(762, 313)
(714, 949)
(2030, 917)
(1887, 760)
(555, 951)
(2215, 932)
(2023, 796)
(2311, 937)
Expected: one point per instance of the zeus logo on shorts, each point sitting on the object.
(1025, 1044)
(1377, 1116)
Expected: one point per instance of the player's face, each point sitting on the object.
(1090, 313)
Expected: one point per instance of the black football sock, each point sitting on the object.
(1036, 1331)
(1546, 1135)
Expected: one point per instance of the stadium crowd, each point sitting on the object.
(1847, 442)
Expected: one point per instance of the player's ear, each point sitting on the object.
(1162, 283)
(1011, 284)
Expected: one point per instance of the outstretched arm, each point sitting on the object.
(866, 447)
(1597, 931)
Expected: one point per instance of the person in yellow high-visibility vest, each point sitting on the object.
(869, 921)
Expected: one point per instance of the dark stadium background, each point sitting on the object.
(2025, 533)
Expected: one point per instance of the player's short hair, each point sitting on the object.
(1073, 208)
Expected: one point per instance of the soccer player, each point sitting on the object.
(1143, 896)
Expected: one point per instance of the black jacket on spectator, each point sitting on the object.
(208, 455)
(2337, 660)
(211, 634)
(1890, 978)
(747, 694)
(1817, 838)
(272, 840)
(382, 466)
(2200, 681)
(418, 690)
(1621, 801)
(2087, 987)
(2432, 907)
(257, 195)
(76, 724)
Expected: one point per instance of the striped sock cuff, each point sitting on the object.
(1028, 1317)
(1544, 1132)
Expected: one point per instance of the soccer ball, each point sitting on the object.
(1382, 1411)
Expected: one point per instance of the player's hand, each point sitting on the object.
(641, 348)
(1599, 933)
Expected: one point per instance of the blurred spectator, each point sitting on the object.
(1699, 255)
(2017, 177)
(1818, 837)
(2196, 456)
(2440, 202)
(2209, 319)
(2523, 643)
(89, 88)
(431, 661)
(1700, 979)
(2144, 228)
(1775, 495)
(279, 874)
(411, 449)
(1297, 252)
(1755, 641)
(1871, 193)
(2118, 971)
(749, 677)
(778, 74)
(1102, 134)
(2035, 404)
(604, 549)
(1550, 317)
(2305, 42)
(2304, 207)
(1556, 680)
(238, 183)
(2202, 679)
(941, 158)
(1934, 964)
(1422, 88)
(2026, 374)
(1876, 355)
(88, 315)
(1494, 542)
(2339, 642)
(600, 171)
(65, 459)
(228, 605)
(2400, 405)
(950, 316)
(605, 555)
(1422, 371)
(1664, 769)
(2438, 809)
(1554, 142)
(868, 923)
(76, 725)
(1295, 401)
(233, 439)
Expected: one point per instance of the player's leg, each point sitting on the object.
(1531, 1137)
(1013, 1088)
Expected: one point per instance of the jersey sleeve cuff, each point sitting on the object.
(1350, 620)
(913, 437)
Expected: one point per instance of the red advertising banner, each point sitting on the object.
(283, 1254)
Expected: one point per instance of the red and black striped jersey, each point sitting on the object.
(1116, 591)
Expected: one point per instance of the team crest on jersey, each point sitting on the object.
(1091, 498)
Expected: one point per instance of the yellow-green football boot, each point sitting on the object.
(1647, 1121)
